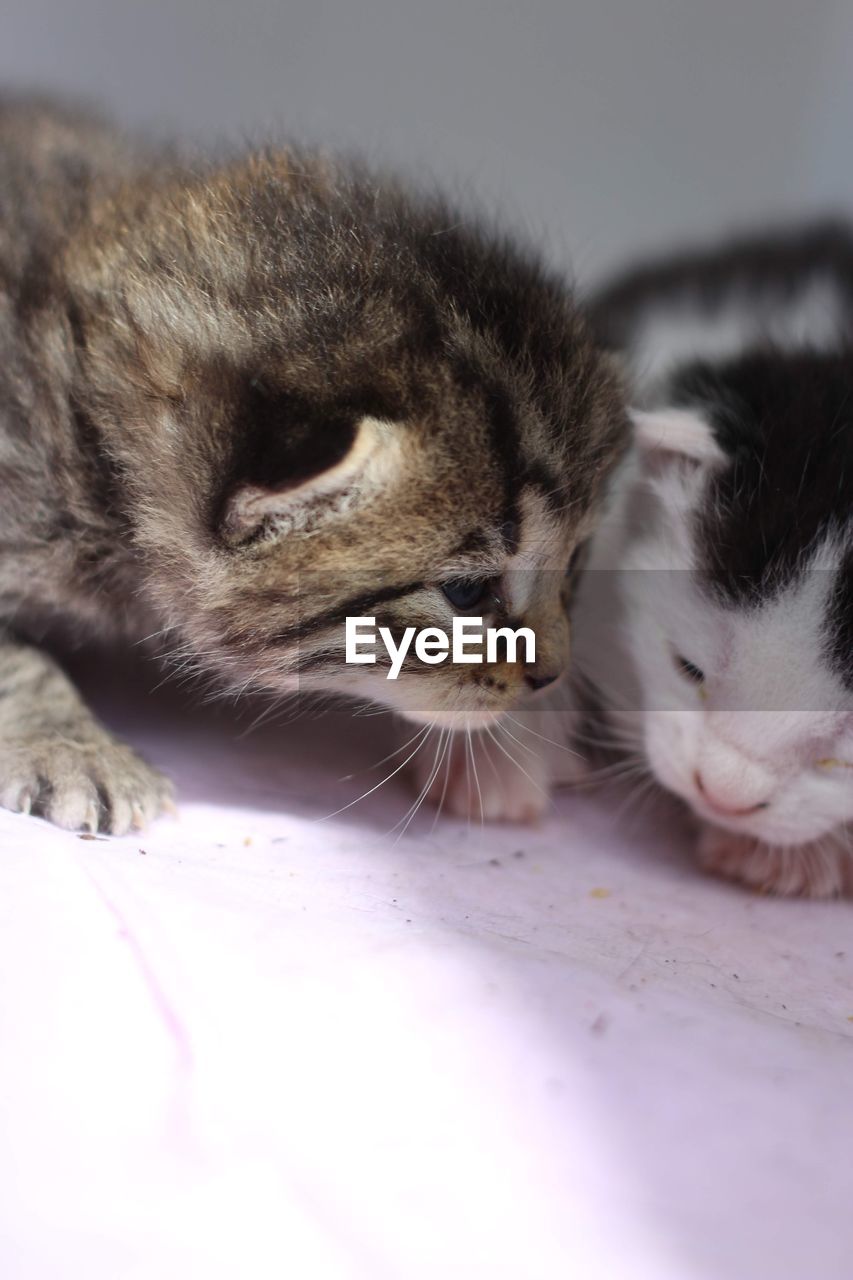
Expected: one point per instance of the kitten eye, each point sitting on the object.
(466, 594)
(689, 669)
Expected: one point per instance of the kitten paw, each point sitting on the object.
(483, 784)
(93, 785)
(821, 870)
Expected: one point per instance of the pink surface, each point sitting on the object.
(271, 1045)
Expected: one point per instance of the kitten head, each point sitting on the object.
(326, 399)
(741, 632)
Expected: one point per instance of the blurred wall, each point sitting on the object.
(603, 127)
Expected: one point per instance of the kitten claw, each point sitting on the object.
(167, 803)
(94, 785)
(92, 818)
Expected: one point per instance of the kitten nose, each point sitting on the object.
(539, 682)
(716, 799)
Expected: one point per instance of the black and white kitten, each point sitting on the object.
(714, 623)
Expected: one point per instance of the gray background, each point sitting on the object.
(601, 127)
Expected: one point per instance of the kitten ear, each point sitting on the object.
(672, 435)
(357, 461)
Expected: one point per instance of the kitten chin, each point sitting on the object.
(253, 395)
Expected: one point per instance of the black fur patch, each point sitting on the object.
(786, 422)
(357, 606)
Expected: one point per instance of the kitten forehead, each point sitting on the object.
(779, 653)
(543, 547)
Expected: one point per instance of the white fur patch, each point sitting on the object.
(680, 432)
(673, 333)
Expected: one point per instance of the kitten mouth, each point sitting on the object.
(743, 821)
(732, 825)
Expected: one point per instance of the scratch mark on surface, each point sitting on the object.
(166, 1013)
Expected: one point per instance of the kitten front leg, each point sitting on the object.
(506, 775)
(823, 869)
(474, 779)
(57, 762)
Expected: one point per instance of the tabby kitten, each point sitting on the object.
(242, 399)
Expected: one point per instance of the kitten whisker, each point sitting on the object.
(513, 760)
(561, 746)
(379, 763)
(446, 762)
(639, 794)
(422, 737)
(470, 749)
(413, 808)
(531, 751)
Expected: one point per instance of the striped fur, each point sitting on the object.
(245, 395)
